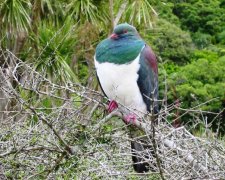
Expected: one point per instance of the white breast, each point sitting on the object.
(119, 83)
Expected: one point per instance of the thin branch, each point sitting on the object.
(44, 120)
(169, 143)
(106, 119)
(29, 149)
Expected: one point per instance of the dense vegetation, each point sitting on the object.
(192, 52)
(52, 118)
(59, 39)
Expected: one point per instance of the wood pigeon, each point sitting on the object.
(128, 75)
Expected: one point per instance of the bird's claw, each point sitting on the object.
(130, 118)
(112, 106)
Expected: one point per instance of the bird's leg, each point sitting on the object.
(130, 118)
(112, 106)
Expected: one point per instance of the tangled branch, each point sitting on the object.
(50, 130)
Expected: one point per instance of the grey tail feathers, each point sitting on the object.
(140, 156)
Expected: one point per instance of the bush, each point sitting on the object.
(171, 43)
(200, 81)
(206, 16)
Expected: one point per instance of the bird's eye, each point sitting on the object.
(125, 31)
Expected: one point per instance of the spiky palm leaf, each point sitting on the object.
(56, 49)
(137, 12)
(87, 10)
(14, 15)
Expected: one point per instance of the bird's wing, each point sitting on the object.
(148, 85)
(148, 78)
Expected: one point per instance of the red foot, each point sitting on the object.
(130, 119)
(112, 106)
(176, 123)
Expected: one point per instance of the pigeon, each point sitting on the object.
(127, 72)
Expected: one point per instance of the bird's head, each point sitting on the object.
(124, 30)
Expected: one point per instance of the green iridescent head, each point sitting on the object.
(125, 29)
(122, 47)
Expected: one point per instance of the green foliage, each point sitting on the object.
(221, 37)
(83, 72)
(86, 10)
(171, 67)
(165, 11)
(205, 16)
(171, 43)
(60, 40)
(202, 40)
(57, 47)
(200, 81)
(139, 12)
(14, 16)
(194, 79)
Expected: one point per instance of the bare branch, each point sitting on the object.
(45, 134)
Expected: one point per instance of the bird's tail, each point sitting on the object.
(141, 156)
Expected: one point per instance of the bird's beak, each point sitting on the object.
(113, 36)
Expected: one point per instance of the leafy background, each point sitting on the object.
(58, 39)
